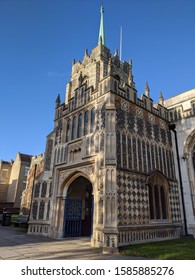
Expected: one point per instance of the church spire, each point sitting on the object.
(101, 38)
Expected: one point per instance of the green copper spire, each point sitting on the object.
(101, 39)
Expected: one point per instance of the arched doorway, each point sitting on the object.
(78, 215)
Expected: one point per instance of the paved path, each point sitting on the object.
(15, 244)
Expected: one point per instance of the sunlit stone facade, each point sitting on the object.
(109, 168)
(182, 115)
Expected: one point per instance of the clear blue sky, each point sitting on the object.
(39, 39)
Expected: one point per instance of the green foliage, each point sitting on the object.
(179, 249)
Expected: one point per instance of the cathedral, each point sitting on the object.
(109, 163)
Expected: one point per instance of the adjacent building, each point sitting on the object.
(182, 116)
(5, 171)
(17, 180)
(36, 167)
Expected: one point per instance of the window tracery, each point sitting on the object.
(158, 198)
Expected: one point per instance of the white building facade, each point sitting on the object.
(182, 114)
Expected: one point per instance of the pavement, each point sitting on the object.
(16, 244)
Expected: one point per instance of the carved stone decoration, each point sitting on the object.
(101, 184)
(58, 132)
(88, 170)
(139, 113)
(111, 240)
(162, 124)
(91, 169)
(63, 176)
(48, 154)
(151, 118)
(100, 211)
(75, 147)
(125, 106)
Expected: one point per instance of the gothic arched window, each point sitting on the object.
(74, 128)
(79, 132)
(158, 198)
(86, 122)
(68, 131)
(158, 202)
(92, 120)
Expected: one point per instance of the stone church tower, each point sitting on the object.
(109, 170)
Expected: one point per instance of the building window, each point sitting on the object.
(158, 195)
(105, 70)
(79, 132)
(86, 122)
(50, 189)
(68, 131)
(41, 210)
(34, 210)
(37, 189)
(48, 210)
(44, 189)
(92, 120)
(75, 99)
(74, 128)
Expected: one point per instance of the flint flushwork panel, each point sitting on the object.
(174, 203)
(142, 141)
(132, 199)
